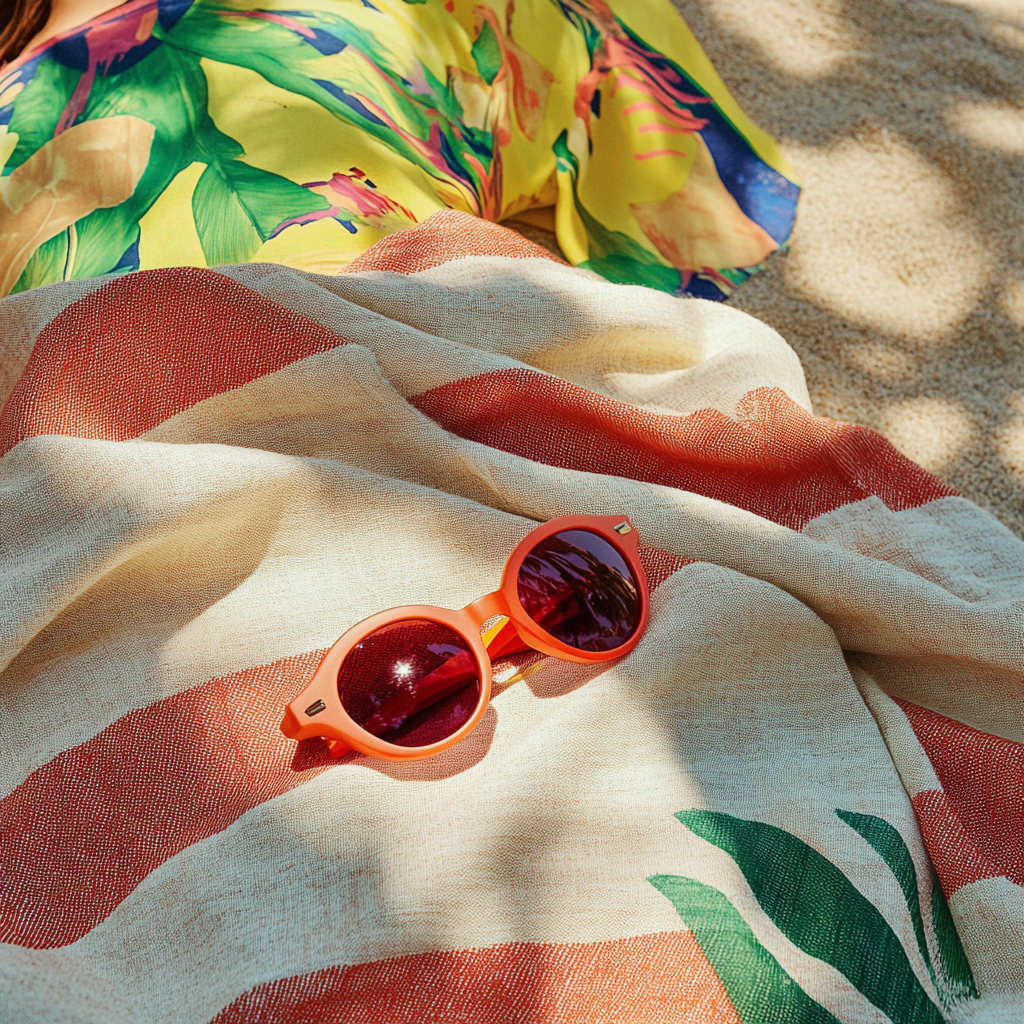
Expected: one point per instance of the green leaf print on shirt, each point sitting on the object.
(170, 94)
(46, 265)
(225, 230)
(170, 90)
(38, 109)
(238, 207)
(613, 255)
(361, 82)
(486, 53)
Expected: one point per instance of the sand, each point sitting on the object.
(903, 290)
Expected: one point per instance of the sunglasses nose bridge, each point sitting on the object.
(487, 607)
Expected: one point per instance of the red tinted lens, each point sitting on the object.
(576, 586)
(412, 683)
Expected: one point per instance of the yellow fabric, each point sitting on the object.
(303, 136)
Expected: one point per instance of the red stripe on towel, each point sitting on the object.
(447, 235)
(123, 359)
(86, 828)
(974, 827)
(776, 460)
(652, 979)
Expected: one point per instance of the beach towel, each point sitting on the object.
(207, 132)
(798, 799)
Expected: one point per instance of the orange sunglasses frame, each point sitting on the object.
(318, 711)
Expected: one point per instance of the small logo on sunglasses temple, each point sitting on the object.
(315, 709)
(623, 528)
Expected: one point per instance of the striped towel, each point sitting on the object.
(798, 800)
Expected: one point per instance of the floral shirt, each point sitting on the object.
(206, 132)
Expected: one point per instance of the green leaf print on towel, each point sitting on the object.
(821, 912)
(758, 988)
(958, 982)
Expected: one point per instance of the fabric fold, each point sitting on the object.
(209, 476)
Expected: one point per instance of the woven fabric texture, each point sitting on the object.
(799, 799)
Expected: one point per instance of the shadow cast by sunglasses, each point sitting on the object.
(549, 677)
(313, 754)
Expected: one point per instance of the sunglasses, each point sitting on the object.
(410, 682)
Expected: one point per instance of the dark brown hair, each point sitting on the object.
(20, 20)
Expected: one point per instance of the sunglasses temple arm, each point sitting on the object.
(506, 641)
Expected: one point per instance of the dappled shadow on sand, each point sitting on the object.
(903, 293)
